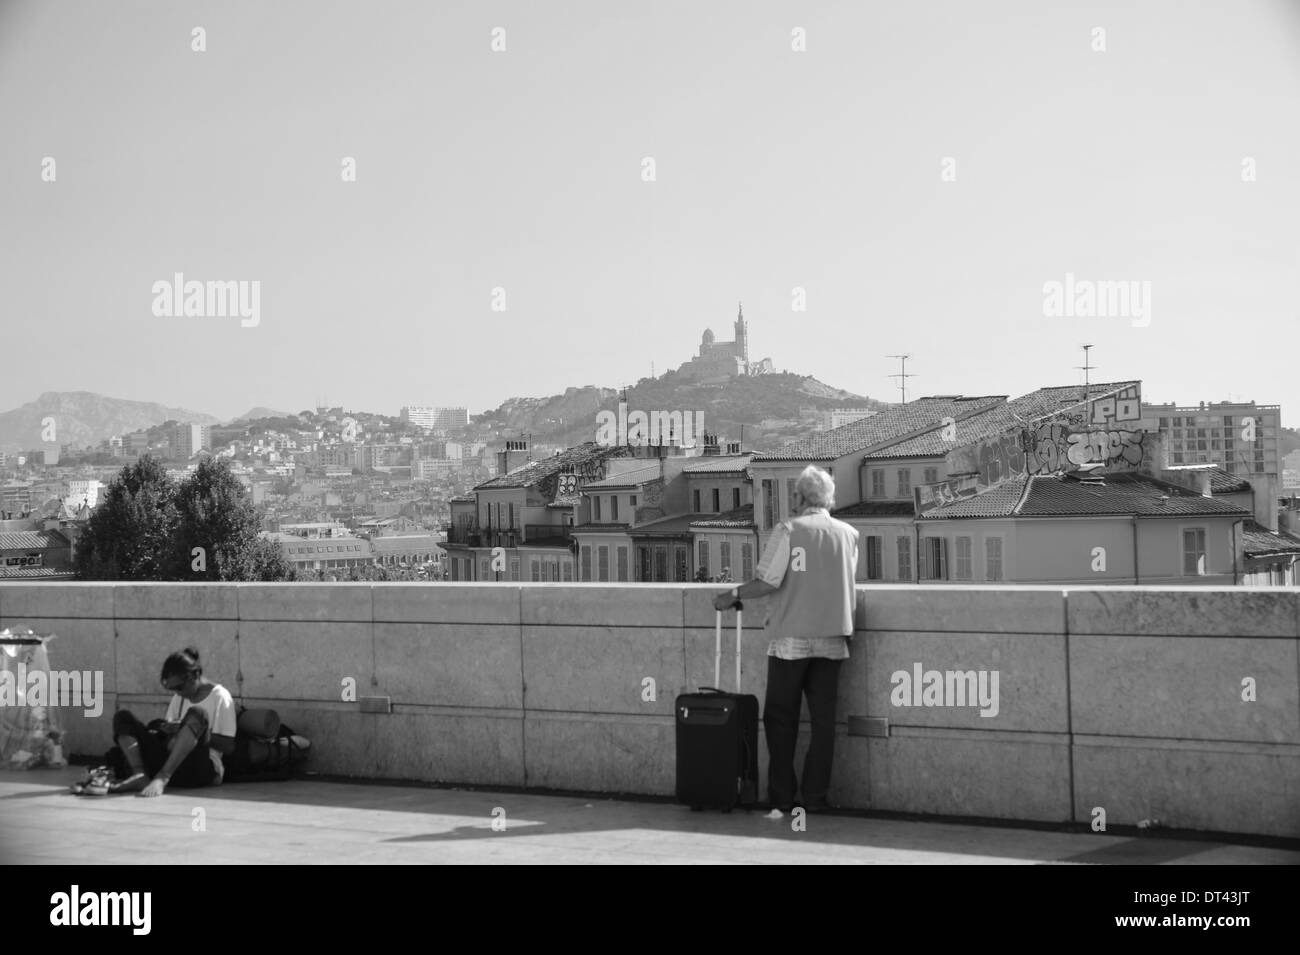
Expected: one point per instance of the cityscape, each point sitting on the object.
(942, 489)
(743, 432)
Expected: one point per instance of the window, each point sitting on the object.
(717, 500)
(904, 482)
(681, 561)
(931, 476)
(1227, 421)
(483, 569)
(932, 561)
(904, 558)
(993, 558)
(512, 513)
(602, 561)
(874, 558)
(535, 568)
(1194, 551)
(613, 507)
(735, 498)
(645, 572)
(514, 568)
(586, 562)
(769, 504)
(877, 483)
(695, 500)
(724, 558)
(595, 507)
(1164, 422)
(703, 560)
(963, 569)
(568, 570)
(622, 563)
(632, 502)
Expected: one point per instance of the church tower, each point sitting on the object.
(742, 336)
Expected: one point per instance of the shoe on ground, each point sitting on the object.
(96, 783)
(775, 814)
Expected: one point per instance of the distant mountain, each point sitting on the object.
(772, 409)
(82, 418)
(254, 414)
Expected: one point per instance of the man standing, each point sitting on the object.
(808, 567)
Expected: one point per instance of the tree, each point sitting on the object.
(217, 530)
(130, 536)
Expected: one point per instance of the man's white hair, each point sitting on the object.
(817, 487)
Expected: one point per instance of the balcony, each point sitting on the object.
(1114, 697)
(536, 533)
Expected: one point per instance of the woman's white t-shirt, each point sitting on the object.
(219, 707)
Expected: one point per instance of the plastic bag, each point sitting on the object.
(30, 736)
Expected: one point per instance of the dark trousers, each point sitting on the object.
(788, 681)
(196, 770)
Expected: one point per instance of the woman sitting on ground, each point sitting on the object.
(187, 749)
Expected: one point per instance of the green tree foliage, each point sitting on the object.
(148, 528)
(215, 514)
(130, 536)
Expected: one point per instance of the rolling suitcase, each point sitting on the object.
(717, 739)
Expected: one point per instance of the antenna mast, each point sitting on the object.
(902, 375)
(1085, 368)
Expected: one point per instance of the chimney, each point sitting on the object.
(710, 445)
(1205, 484)
(515, 454)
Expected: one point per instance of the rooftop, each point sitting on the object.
(892, 423)
(721, 464)
(1259, 541)
(31, 540)
(537, 471)
(1076, 493)
(1221, 481)
(996, 420)
(634, 477)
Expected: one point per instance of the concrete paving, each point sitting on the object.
(318, 821)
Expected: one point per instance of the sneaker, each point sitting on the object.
(96, 783)
(775, 814)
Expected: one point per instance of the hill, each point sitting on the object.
(772, 409)
(255, 414)
(83, 418)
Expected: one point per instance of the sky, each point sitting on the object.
(921, 171)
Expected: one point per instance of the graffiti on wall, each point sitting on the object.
(1111, 410)
(1051, 447)
(928, 496)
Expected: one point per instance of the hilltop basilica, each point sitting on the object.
(718, 361)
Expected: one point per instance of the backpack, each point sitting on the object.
(279, 750)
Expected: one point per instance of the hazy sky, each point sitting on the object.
(522, 169)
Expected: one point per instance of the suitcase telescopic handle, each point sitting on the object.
(717, 647)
